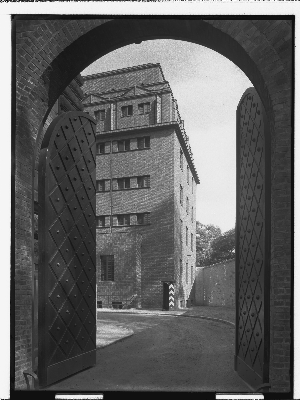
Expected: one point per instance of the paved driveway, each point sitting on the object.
(166, 353)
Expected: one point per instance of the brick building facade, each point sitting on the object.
(146, 189)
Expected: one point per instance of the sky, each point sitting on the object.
(207, 87)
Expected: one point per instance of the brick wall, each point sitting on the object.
(50, 53)
(183, 220)
(157, 243)
(215, 285)
(111, 91)
(126, 248)
(124, 78)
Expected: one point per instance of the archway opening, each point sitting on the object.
(55, 89)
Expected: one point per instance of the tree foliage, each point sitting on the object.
(212, 246)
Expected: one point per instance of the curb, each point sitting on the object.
(115, 341)
(224, 321)
(143, 313)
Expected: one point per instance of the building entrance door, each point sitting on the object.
(165, 296)
(67, 255)
(252, 352)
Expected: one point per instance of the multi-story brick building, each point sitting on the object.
(146, 189)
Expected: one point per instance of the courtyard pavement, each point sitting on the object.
(109, 332)
(190, 352)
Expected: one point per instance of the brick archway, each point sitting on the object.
(51, 53)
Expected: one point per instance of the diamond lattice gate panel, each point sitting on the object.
(252, 242)
(67, 267)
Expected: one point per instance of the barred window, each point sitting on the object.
(107, 268)
(143, 142)
(186, 272)
(143, 181)
(103, 185)
(144, 108)
(100, 221)
(126, 111)
(100, 115)
(123, 183)
(124, 145)
(181, 159)
(143, 218)
(181, 231)
(192, 214)
(123, 219)
(101, 148)
(192, 238)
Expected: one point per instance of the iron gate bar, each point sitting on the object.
(253, 226)
(67, 266)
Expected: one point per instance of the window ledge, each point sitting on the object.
(122, 151)
(123, 190)
(122, 226)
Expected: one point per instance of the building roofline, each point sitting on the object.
(142, 129)
(122, 70)
(140, 86)
(123, 98)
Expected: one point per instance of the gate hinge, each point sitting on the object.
(34, 376)
(263, 387)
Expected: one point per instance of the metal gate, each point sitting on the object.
(67, 255)
(252, 242)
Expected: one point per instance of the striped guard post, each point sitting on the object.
(171, 295)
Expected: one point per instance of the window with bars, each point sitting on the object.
(143, 142)
(107, 268)
(123, 219)
(143, 181)
(186, 272)
(144, 108)
(100, 115)
(181, 195)
(187, 236)
(101, 148)
(181, 159)
(192, 239)
(100, 221)
(126, 111)
(187, 205)
(143, 218)
(192, 214)
(188, 174)
(123, 145)
(181, 231)
(123, 183)
(103, 185)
